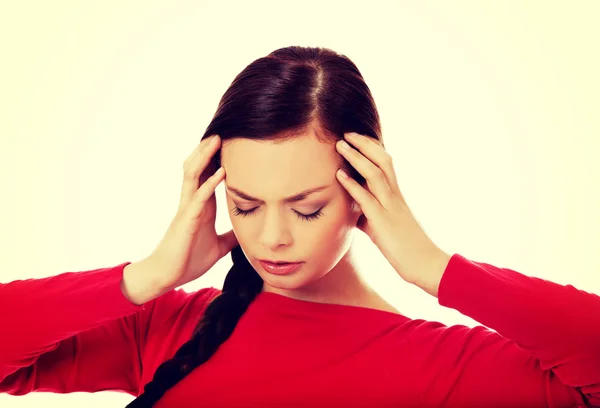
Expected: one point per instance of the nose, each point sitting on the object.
(275, 231)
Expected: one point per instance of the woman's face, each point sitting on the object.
(316, 230)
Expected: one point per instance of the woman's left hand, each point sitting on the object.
(386, 218)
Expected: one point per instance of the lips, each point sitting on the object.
(277, 262)
(280, 269)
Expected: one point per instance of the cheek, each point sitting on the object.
(339, 228)
(328, 244)
(331, 230)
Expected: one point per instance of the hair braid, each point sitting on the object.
(242, 284)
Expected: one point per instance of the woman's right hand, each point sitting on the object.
(191, 246)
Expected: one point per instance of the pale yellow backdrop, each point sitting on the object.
(490, 109)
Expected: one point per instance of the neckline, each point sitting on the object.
(278, 302)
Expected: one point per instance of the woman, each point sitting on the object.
(310, 333)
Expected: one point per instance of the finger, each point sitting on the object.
(374, 151)
(376, 180)
(195, 166)
(367, 202)
(203, 194)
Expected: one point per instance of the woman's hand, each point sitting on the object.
(386, 218)
(191, 246)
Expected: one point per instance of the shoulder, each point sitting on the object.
(431, 332)
(177, 304)
(458, 344)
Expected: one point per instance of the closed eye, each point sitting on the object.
(309, 217)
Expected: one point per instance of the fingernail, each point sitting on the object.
(342, 173)
(214, 140)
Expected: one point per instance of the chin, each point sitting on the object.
(301, 282)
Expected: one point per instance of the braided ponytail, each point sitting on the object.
(242, 284)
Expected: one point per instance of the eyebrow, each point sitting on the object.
(296, 197)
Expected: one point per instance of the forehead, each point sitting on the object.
(297, 154)
(272, 170)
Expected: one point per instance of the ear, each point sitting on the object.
(356, 211)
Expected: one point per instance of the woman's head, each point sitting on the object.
(315, 229)
(278, 122)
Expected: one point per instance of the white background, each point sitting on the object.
(490, 110)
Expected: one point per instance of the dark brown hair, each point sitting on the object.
(290, 92)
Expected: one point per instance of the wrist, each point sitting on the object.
(140, 282)
(430, 277)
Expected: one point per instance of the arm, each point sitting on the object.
(545, 353)
(138, 284)
(75, 332)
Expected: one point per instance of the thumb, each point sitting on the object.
(227, 241)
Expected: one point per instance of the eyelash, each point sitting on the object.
(309, 217)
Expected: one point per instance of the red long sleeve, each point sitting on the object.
(555, 342)
(76, 332)
(79, 333)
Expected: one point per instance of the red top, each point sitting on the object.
(77, 332)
